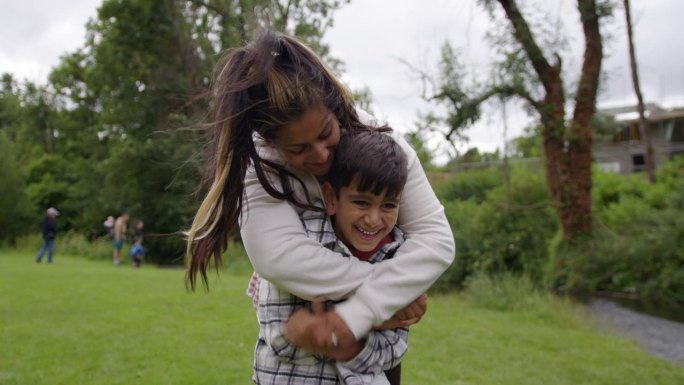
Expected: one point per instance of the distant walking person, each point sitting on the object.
(49, 229)
(119, 237)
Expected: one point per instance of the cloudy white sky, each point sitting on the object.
(374, 37)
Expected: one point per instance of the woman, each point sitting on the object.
(277, 115)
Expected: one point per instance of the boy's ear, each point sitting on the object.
(329, 198)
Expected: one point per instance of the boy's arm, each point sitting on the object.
(274, 308)
(383, 351)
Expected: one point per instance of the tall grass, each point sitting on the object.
(70, 243)
(76, 244)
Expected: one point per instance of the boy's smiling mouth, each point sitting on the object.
(367, 234)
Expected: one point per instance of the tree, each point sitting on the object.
(235, 21)
(526, 72)
(115, 128)
(15, 211)
(643, 123)
(418, 142)
(530, 144)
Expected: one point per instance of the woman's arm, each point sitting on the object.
(281, 252)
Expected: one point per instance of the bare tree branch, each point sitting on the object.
(524, 36)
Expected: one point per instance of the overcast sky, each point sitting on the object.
(373, 37)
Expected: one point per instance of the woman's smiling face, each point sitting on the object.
(308, 143)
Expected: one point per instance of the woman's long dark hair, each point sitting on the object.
(258, 88)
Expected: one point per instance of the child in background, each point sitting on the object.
(361, 201)
(109, 225)
(137, 250)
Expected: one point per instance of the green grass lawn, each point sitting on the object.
(86, 322)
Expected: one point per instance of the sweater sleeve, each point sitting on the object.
(383, 351)
(281, 252)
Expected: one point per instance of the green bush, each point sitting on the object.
(514, 225)
(506, 231)
(471, 184)
(460, 215)
(636, 246)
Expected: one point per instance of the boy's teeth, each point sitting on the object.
(366, 232)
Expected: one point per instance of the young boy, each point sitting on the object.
(137, 252)
(361, 201)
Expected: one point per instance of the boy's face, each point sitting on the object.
(362, 219)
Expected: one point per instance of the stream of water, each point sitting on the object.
(658, 329)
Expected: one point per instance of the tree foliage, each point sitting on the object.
(115, 127)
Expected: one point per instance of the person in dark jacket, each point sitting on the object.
(49, 229)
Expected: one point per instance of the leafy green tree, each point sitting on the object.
(530, 144)
(15, 210)
(116, 127)
(220, 25)
(418, 142)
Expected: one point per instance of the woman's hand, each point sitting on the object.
(322, 332)
(409, 315)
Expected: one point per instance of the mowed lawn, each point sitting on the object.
(86, 322)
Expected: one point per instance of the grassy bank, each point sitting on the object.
(85, 322)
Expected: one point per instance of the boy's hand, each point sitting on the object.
(415, 309)
(322, 332)
(394, 323)
(309, 330)
(407, 316)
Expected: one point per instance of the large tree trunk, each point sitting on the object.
(567, 145)
(643, 123)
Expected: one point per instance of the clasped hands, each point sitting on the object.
(324, 332)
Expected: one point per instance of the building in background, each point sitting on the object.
(622, 149)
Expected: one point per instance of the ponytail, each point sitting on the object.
(257, 89)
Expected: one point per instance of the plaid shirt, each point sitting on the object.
(278, 362)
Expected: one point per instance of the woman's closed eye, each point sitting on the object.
(326, 133)
(296, 150)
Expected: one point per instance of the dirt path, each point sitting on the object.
(660, 337)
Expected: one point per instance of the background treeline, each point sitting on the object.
(116, 125)
(504, 223)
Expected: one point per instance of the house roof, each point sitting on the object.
(652, 111)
